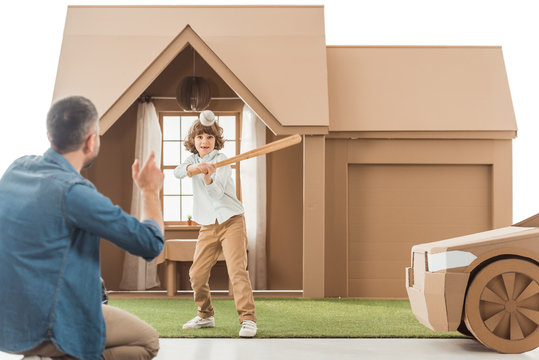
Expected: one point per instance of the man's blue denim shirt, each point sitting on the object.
(51, 222)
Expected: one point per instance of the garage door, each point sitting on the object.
(393, 207)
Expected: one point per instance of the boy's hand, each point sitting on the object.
(207, 170)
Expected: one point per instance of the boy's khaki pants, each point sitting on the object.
(128, 338)
(229, 236)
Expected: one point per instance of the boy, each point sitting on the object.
(220, 215)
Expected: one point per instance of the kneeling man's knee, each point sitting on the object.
(152, 346)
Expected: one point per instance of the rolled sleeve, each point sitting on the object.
(181, 170)
(87, 209)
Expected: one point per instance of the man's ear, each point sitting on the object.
(90, 144)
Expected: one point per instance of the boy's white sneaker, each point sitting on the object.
(36, 357)
(197, 323)
(248, 329)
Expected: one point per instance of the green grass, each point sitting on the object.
(288, 318)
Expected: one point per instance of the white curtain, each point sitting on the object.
(253, 186)
(137, 273)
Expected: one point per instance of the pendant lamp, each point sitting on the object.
(193, 92)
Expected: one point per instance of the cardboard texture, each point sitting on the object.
(402, 145)
(127, 41)
(427, 88)
(487, 283)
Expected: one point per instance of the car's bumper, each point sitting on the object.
(437, 297)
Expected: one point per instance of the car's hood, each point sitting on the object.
(466, 243)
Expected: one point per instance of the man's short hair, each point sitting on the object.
(69, 121)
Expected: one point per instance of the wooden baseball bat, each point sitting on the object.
(265, 149)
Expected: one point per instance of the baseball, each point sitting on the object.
(207, 118)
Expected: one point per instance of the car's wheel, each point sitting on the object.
(502, 306)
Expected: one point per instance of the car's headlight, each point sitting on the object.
(449, 259)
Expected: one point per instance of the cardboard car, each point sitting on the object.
(485, 285)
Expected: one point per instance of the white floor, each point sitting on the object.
(318, 349)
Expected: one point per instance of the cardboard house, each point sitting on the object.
(401, 144)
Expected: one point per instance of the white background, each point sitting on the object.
(32, 35)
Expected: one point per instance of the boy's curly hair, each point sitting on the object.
(197, 128)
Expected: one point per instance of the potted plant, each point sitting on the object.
(189, 220)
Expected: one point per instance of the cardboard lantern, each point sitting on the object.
(193, 93)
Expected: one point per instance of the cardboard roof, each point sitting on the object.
(274, 55)
(416, 88)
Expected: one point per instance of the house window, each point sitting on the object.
(177, 196)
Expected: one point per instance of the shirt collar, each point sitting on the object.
(57, 158)
(208, 157)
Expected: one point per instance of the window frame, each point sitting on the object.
(161, 115)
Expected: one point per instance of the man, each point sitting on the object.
(51, 220)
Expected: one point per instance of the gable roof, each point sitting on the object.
(274, 57)
(419, 88)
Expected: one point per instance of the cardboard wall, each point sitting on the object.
(353, 165)
(392, 207)
(313, 215)
(285, 212)
(111, 174)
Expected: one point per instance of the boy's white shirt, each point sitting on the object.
(216, 201)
